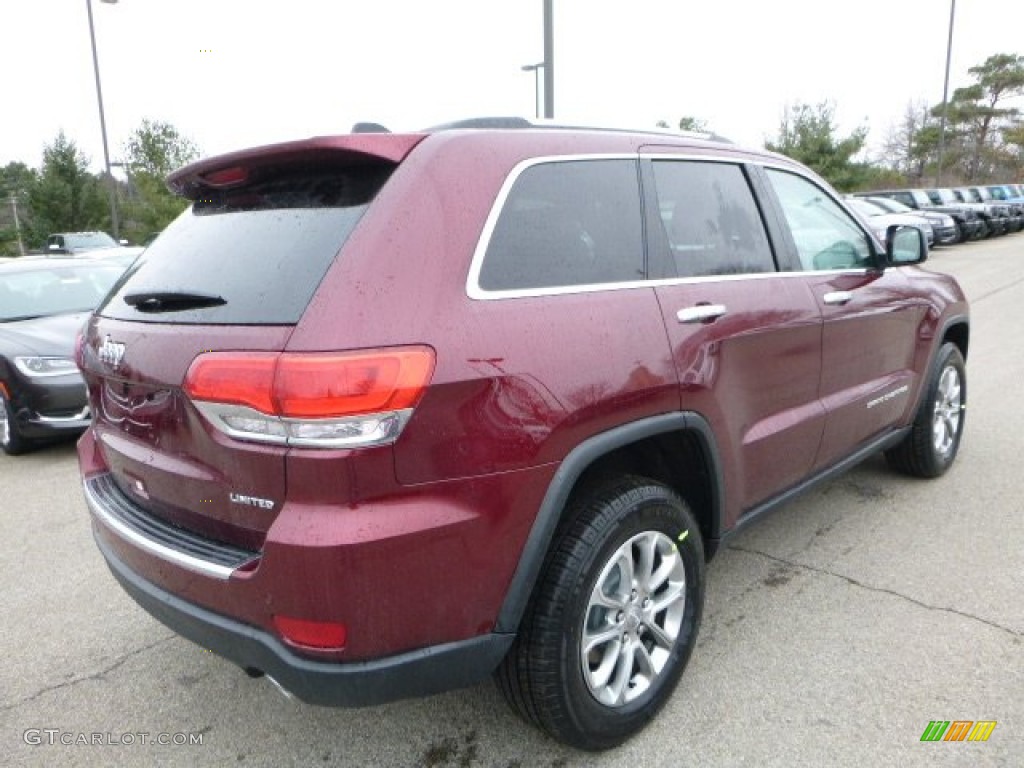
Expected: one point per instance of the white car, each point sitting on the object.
(879, 220)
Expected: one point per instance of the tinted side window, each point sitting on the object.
(567, 223)
(826, 236)
(710, 219)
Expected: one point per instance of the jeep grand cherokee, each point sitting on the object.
(383, 414)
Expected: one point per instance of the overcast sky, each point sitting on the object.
(234, 73)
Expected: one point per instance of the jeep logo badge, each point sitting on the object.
(111, 352)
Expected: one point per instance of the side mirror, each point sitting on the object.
(905, 245)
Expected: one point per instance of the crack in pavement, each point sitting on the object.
(94, 676)
(849, 580)
(994, 291)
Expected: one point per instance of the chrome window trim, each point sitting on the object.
(473, 289)
(476, 293)
(566, 290)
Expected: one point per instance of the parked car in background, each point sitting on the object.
(999, 215)
(43, 303)
(1006, 192)
(945, 196)
(92, 244)
(880, 219)
(376, 443)
(79, 242)
(945, 228)
(969, 221)
(1013, 209)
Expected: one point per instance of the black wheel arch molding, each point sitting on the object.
(572, 468)
(942, 334)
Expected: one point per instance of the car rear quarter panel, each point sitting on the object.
(518, 381)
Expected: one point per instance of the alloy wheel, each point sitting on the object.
(948, 405)
(633, 618)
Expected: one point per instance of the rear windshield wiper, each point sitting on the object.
(172, 301)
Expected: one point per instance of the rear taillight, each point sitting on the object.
(328, 400)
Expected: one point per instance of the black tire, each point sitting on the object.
(934, 439)
(11, 441)
(543, 677)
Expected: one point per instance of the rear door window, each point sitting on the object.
(567, 223)
(711, 223)
(256, 252)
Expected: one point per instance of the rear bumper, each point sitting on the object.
(352, 684)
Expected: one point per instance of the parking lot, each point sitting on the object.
(835, 630)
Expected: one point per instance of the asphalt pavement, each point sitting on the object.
(835, 630)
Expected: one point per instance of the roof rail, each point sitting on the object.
(513, 123)
(494, 123)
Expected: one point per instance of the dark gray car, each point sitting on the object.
(43, 303)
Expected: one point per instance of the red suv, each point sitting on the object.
(380, 415)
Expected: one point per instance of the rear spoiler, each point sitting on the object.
(211, 172)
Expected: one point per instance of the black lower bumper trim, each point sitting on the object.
(351, 684)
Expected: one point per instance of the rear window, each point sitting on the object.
(260, 249)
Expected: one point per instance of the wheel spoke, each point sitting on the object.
(663, 573)
(953, 396)
(598, 678)
(644, 663)
(625, 565)
(623, 673)
(660, 636)
(611, 602)
(645, 567)
(592, 640)
(675, 592)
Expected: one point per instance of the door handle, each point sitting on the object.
(837, 297)
(701, 313)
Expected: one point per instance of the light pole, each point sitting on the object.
(535, 68)
(549, 61)
(945, 93)
(111, 184)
